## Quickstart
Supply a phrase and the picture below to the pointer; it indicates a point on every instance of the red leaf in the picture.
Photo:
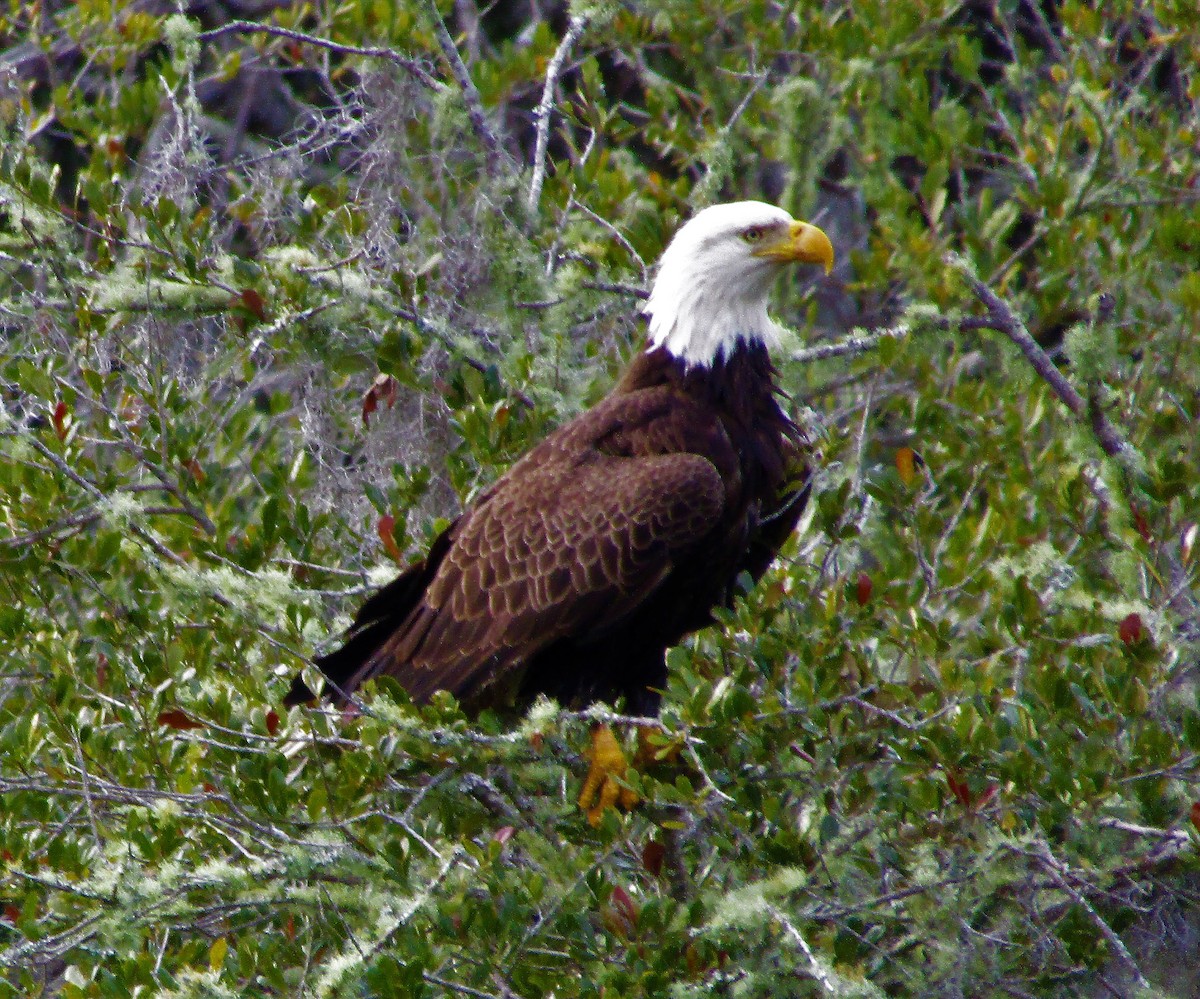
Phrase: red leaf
(862, 590)
(653, 854)
(385, 388)
(175, 718)
(289, 927)
(272, 722)
(1196, 815)
(11, 912)
(387, 527)
(1140, 522)
(989, 795)
(621, 916)
(195, 469)
(209, 788)
(254, 304)
(806, 757)
(1131, 629)
(504, 834)
(60, 420)
(960, 790)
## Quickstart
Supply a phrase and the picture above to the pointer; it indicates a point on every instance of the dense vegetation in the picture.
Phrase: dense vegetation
(278, 296)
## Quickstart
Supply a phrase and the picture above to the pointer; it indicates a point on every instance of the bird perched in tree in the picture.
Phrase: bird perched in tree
(621, 531)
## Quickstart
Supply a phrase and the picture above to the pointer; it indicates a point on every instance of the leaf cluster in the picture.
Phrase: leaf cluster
(278, 297)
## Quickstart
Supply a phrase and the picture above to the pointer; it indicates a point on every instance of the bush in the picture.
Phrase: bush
(278, 297)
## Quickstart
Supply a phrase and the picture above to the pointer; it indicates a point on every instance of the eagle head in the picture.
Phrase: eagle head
(713, 279)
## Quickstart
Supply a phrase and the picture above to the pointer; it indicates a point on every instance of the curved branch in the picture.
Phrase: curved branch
(495, 153)
(410, 66)
(1001, 318)
(542, 115)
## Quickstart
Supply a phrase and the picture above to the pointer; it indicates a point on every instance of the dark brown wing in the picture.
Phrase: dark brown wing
(575, 536)
(550, 555)
(375, 622)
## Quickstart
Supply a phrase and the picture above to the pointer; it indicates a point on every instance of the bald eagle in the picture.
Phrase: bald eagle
(619, 533)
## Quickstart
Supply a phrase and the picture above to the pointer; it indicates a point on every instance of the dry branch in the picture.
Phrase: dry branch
(410, 66)
(495, 153)
(543, 113)
(1001, 318)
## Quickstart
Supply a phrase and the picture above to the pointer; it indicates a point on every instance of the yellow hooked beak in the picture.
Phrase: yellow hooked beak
(803, 243)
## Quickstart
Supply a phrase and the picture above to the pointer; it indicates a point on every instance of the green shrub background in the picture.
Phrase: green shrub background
(947, 747)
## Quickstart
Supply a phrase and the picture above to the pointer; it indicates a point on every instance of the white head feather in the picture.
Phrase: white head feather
(713, 279)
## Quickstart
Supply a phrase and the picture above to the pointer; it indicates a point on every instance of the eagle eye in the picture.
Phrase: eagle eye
(754, 233)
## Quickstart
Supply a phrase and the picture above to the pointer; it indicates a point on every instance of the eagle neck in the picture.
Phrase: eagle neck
(739, 385)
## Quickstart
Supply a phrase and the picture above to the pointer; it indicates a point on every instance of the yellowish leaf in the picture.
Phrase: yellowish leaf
(217, 952)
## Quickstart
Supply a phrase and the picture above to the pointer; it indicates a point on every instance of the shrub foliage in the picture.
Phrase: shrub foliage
(279, 294)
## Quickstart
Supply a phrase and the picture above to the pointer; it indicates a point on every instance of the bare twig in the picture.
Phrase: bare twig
(542, 115)
(619, 236)
(465, 990)
(856, 343)
(488, 795)
(1003, 319)
(410, 910)
(814, 965)
(410, 66)
(59, 530)
(474, 104)
(1058, 873)
(1176, 836)
(87, 790)
(615, 289)
(161, 550)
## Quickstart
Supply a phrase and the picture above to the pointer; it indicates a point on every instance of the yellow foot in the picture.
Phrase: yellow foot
(602, 789)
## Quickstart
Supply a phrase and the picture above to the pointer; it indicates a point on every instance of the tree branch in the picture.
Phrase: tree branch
(495, 153)
(1001, 318)
(410, 66)
(542, 115)
(815, 967)
(856, 343)
(1058, 874)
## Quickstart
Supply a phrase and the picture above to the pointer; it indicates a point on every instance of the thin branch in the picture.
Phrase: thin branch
(814, 965)
(470, 95)
(542, 115)
(410, 910)
(1058, 872)
(856, 343)
(488, 795)
(465, 990)
(410, 66)
(161, 550)
(72, 525)
(87, 791)
(615, 289)
(1176, 836)
(1003, 319)
(618, 235)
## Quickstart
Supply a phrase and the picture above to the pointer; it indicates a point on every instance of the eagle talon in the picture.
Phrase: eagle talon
(602, 789)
